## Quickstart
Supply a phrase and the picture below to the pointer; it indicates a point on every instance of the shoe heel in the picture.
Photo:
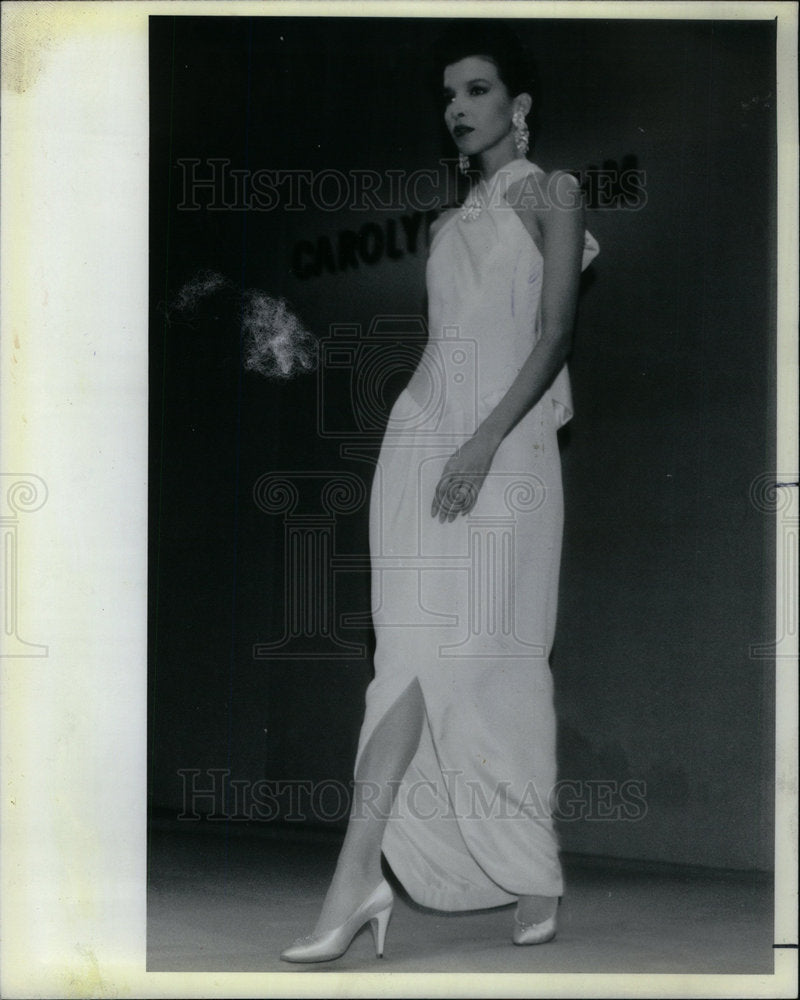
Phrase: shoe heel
(379, 923)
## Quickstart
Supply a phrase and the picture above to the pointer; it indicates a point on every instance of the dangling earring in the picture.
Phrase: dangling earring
(463, 162)
(521, 133)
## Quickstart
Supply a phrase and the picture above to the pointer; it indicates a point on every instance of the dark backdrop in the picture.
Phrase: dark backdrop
(667, 577)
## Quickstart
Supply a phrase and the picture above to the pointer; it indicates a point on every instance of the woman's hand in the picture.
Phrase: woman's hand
(462, 477)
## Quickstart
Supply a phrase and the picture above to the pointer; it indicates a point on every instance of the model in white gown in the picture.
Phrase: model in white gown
(468, 607)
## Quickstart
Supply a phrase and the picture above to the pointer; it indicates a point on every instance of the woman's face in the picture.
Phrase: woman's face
(478, 106)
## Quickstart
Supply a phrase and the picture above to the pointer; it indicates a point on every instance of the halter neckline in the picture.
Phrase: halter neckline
(485, 192)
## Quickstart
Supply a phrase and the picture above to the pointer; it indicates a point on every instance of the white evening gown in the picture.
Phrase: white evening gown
(468, 607)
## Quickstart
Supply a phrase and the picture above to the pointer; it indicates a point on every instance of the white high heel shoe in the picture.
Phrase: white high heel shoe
(375, 910)
(539, 933)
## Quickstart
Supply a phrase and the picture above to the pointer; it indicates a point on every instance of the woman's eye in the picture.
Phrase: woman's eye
(476, 90)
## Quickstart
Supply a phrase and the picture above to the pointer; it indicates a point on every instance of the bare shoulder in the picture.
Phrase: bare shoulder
(550, 206)
(539, 191)
(440, 220)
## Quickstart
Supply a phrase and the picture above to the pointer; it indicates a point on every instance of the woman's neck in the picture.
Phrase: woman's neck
(492, 160)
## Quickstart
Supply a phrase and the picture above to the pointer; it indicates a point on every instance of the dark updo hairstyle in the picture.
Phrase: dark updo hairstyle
(494, 40)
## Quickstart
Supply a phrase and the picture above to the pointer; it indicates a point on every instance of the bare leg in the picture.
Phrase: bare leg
(383, 763)
(535, 909)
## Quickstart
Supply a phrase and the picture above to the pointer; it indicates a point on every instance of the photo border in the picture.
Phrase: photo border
(73, 737)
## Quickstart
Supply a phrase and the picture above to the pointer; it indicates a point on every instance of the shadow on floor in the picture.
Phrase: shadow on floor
(230, 897)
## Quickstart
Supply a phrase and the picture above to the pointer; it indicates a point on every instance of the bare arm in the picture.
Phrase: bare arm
(560, 231)
(556, 225)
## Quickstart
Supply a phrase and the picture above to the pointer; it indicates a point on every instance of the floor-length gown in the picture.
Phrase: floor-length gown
(468, 607)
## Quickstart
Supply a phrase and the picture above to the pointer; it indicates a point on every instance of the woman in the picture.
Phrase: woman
(456, 756)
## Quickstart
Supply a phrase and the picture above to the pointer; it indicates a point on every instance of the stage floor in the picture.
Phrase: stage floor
(229, 899)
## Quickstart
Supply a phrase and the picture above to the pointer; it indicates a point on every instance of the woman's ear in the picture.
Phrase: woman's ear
(524, 103)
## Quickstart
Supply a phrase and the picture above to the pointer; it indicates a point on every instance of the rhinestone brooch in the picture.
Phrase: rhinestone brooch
(472, 207)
